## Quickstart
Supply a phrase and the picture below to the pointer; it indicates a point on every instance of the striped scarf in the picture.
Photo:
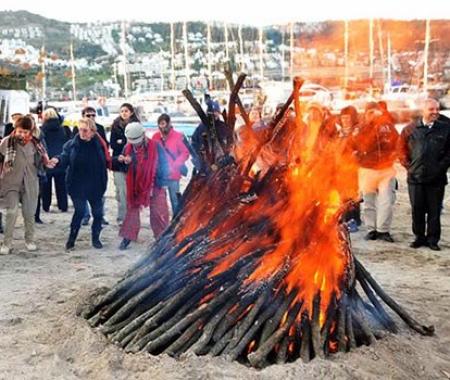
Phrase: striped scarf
(11, 152)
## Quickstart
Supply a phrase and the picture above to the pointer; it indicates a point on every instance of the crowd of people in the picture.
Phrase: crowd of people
(78, 161)
(147, 171)
(372, 147)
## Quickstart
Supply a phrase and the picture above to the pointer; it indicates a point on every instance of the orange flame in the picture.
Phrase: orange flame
(318, 180)
(251, 346)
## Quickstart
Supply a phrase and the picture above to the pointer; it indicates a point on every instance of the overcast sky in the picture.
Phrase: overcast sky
(255, 12)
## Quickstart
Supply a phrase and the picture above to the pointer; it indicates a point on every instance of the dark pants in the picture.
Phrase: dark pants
(37, 214)
(60, 190)
(426, 203)
(87, 214)
(42, 180)
(79, 205)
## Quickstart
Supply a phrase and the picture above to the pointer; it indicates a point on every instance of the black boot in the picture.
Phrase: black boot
(72, 237)
(37, 214)
(96, 229)
(96, 243)
(124, 244)
(1, 223)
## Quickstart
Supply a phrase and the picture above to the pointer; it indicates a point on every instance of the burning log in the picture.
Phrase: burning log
(256, 266)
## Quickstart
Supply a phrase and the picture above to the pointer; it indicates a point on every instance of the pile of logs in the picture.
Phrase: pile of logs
(196, 289)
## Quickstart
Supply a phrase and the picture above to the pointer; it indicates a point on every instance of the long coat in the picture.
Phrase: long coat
(55, 136)
(89, 184)
(23, 176)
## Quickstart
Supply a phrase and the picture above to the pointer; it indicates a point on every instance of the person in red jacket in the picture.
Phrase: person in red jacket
(176, 153)
(374, 147)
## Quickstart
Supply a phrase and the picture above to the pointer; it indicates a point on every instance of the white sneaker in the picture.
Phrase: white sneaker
(31, 247)
(5, 250)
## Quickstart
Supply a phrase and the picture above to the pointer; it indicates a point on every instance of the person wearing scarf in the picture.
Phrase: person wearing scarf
(118, 141)
(147, 166)
(87, 159)
(22, 157)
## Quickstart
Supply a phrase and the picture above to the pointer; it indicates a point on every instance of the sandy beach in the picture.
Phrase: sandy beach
(42, 337)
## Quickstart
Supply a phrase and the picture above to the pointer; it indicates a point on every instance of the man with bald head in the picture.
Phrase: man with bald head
(424, 150)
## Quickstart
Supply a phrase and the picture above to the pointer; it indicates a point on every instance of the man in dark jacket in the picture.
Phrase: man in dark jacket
(424, 150)
(91, 113)
(374, 147)
(203, 143)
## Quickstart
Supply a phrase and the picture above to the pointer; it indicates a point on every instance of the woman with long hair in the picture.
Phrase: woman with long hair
(118, 141)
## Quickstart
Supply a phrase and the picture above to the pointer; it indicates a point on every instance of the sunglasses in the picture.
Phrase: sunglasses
(90, 115)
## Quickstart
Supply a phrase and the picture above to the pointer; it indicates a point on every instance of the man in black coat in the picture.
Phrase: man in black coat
(424, 150)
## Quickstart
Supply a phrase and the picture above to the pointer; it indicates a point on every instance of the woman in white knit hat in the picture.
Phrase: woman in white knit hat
(147, 166)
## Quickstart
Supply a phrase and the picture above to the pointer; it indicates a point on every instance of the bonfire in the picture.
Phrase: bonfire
(257, 264)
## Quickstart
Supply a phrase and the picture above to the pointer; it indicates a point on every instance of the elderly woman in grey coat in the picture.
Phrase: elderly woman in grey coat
(22, 156)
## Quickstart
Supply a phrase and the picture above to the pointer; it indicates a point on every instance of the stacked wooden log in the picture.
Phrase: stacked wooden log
(196, 289)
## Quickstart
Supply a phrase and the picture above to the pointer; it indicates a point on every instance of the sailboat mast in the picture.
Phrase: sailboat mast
(282, 54)
(43, 72)
(371, 49)
(227, 51)
(261, 52)
(186, 55)
(291, 50)
(380, 43)
(172, 56)
(346, 54)
(389, 63)
(161, 57)
(72, 64)
(124, 59)
(425, 55)
(208, 42)
(241, 48)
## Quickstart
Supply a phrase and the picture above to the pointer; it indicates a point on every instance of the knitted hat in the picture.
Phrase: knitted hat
(134, 132)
